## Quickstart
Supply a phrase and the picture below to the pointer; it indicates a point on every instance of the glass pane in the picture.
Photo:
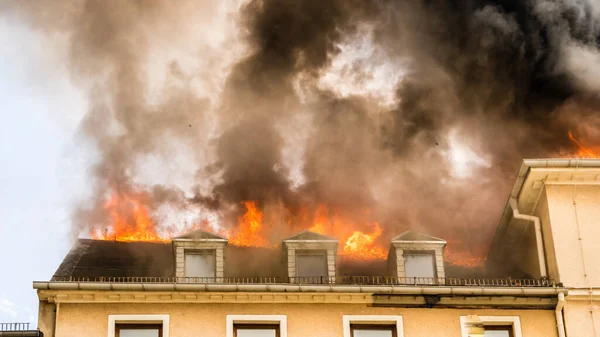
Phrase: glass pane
(496, 333)
(419, 265)
(138, 333)
(256, 333)
(199, 265)
(311, 265)
(372, 333)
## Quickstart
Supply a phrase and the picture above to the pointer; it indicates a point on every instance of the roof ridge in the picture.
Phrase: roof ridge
(416, 236)
(308, 234)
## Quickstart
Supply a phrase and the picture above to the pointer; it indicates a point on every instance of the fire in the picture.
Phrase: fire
(584, 152)
(130, 219)
(363, 246)
(320, 220)
(250, 228)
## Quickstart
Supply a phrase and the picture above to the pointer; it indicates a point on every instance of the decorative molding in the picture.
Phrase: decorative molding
(162, 319)
(372, 319)
(257, 319)
(371, 299)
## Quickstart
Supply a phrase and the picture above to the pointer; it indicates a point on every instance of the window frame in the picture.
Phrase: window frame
(243, 326)
(209, 251)
(426, 252)
(508, 328)
(382, 327)
(311, 252)
(137, 320)
(138, 326)
(257, 320)
(495, 321)
(372, 321)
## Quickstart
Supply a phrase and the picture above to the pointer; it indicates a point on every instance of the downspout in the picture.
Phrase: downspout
(559, 315)
(538, 233)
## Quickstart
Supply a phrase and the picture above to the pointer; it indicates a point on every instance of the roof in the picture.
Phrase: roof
(310, 236)
(414, 236)
(199, 234)
(96, 258)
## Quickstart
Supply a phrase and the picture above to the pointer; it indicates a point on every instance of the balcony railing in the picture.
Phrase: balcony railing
(14, 326)
(338, 280)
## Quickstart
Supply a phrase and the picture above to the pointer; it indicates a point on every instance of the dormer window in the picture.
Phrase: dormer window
(200, 263)
(417, 258)
(200, 254)
(311, 263)
(420, 264)
(310, 257)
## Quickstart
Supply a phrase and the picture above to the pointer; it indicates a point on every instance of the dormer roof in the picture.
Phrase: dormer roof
(417, 237)
(199, 235)
(310, 236)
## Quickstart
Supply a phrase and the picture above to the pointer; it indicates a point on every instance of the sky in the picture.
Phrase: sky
(42, 166)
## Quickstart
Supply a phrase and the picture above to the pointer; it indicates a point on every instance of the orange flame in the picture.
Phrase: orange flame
(584, 152)
(130, 219)
(363, 246)
(250, 228)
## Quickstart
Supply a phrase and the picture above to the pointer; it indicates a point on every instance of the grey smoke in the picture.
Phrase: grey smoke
(505, 79)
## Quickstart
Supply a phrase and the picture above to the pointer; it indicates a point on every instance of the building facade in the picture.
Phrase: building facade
(542, 280)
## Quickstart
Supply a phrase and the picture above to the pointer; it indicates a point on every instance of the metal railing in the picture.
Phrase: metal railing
(14, 326)
(341, 280)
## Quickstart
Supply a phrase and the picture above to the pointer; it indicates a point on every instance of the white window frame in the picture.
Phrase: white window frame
(373, 319)
(257, 319)
(113, 320)
(513, 321)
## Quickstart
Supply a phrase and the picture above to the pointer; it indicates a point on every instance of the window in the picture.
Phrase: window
(256, 330)
(420, 264)
(372, 326)
(498, 331)
(366, 330)
(256, 326)
(200, 263)
(490, 326)
(311, 263)
(138, 325)
(138, 330)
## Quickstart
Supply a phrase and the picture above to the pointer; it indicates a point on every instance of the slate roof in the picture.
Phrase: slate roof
(413, 236)
(96, 258)
(308, 235)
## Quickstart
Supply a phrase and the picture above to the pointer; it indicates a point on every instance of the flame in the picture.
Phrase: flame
(130, 219)
(584, 152)
(250, 228)
(363, 246)
(320, 221)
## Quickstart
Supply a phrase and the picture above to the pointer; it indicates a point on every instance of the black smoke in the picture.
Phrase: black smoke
(505, 79)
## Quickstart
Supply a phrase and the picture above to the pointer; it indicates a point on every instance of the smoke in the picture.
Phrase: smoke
(415, 114)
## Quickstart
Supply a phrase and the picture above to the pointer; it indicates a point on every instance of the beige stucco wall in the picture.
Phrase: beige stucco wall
(576, 251)
(582, 318)
(303, 319)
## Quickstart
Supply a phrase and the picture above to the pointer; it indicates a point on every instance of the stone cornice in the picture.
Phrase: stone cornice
(379, 300)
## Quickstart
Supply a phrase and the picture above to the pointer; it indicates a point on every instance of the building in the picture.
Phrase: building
(542, 280)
